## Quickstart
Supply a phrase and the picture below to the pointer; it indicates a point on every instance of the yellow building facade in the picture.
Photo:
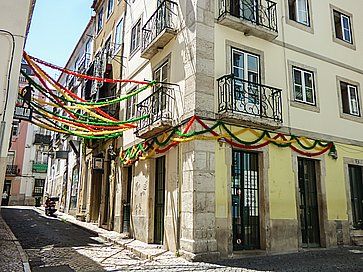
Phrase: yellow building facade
(252, 136)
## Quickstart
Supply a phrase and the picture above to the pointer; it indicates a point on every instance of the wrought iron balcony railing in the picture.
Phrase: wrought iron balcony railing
(84, 63)
(163, 20)
(258, 12)
(240, 96)
(11, 170)
(42, 139)
(159, 106)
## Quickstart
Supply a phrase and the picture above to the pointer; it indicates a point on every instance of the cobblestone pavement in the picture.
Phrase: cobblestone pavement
(10, 259)
(53, 245)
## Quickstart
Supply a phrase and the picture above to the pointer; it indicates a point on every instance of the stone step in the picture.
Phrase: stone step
(357, 240)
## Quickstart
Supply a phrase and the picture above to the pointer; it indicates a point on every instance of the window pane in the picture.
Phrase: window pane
(338, 25)
(345, 97)
(297, 77)
(237, 72)
(252, 63)
(298, 93)
(345, 21)
(238, 60)
(347, 35)
(308, 80)
(309, 95)
(302, 12)
(292, 10)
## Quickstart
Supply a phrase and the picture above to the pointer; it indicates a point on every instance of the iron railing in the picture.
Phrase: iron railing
(241, 96)
(11, 170)
(84, 63)
(159, 106)
(165, 17)
(259, 12)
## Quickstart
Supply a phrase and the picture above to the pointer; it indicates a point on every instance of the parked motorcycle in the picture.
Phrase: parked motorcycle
(49, 206)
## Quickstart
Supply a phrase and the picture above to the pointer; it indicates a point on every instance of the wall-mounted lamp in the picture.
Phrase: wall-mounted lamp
(333, 152)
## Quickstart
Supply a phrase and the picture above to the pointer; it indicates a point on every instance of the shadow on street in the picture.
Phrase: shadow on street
(49, 243)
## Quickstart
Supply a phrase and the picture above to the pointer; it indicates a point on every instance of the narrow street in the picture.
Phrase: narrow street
(53, 245)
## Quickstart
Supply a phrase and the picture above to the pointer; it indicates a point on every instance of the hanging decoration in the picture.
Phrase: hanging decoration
(59, 109)
(220, 132)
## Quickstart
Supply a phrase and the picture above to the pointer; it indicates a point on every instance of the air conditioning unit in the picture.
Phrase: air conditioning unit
(98, 163)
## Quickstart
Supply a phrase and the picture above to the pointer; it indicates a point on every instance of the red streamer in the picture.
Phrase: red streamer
(73, 73)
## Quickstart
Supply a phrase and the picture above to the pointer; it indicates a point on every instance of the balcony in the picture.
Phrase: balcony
(160, 107)
(244, 100)
(11, 170)
(253, 17)
(159, 29)
(41, 139)
(84, 63)
(39, 167)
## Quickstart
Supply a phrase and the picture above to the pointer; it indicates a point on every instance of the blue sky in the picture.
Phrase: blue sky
(56, 27)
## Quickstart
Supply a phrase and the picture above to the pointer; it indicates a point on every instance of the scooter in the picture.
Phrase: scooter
(50, 206)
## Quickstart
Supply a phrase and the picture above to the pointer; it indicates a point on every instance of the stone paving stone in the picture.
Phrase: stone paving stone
(53, 245)
(10, 258)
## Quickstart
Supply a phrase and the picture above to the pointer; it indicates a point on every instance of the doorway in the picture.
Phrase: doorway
(6, 193)
(159, 204)
(245, 201)
(356, 195)
(126, 220)
(308, 204)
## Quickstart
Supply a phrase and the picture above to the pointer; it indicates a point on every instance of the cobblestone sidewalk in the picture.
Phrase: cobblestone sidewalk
(12, 256)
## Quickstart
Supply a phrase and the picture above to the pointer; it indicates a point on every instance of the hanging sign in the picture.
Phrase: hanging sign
(23, 113)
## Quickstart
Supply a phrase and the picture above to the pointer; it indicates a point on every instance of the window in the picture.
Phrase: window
(100, 20)
(135, 36)
(299, 11)
(160, 99)
(109, 8)
(245, 67)
(15, 130)
(303, 85)
(38, 187)
(11, 158)
(118, 35)
(342, 25)
(131, 105)
(350, 100)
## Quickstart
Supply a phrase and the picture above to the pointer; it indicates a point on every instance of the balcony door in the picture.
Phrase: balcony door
(246, 9)
(246, 71)
(356, 194)
(160, 75)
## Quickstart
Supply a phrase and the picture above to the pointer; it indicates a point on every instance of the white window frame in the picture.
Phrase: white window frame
(100, 16)
(131, 105)
(303, 85)
(137, 27)
(118, 37)
(347, 39)
(307, 17)
(353, 104)
(110, 8)
(353, 89)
